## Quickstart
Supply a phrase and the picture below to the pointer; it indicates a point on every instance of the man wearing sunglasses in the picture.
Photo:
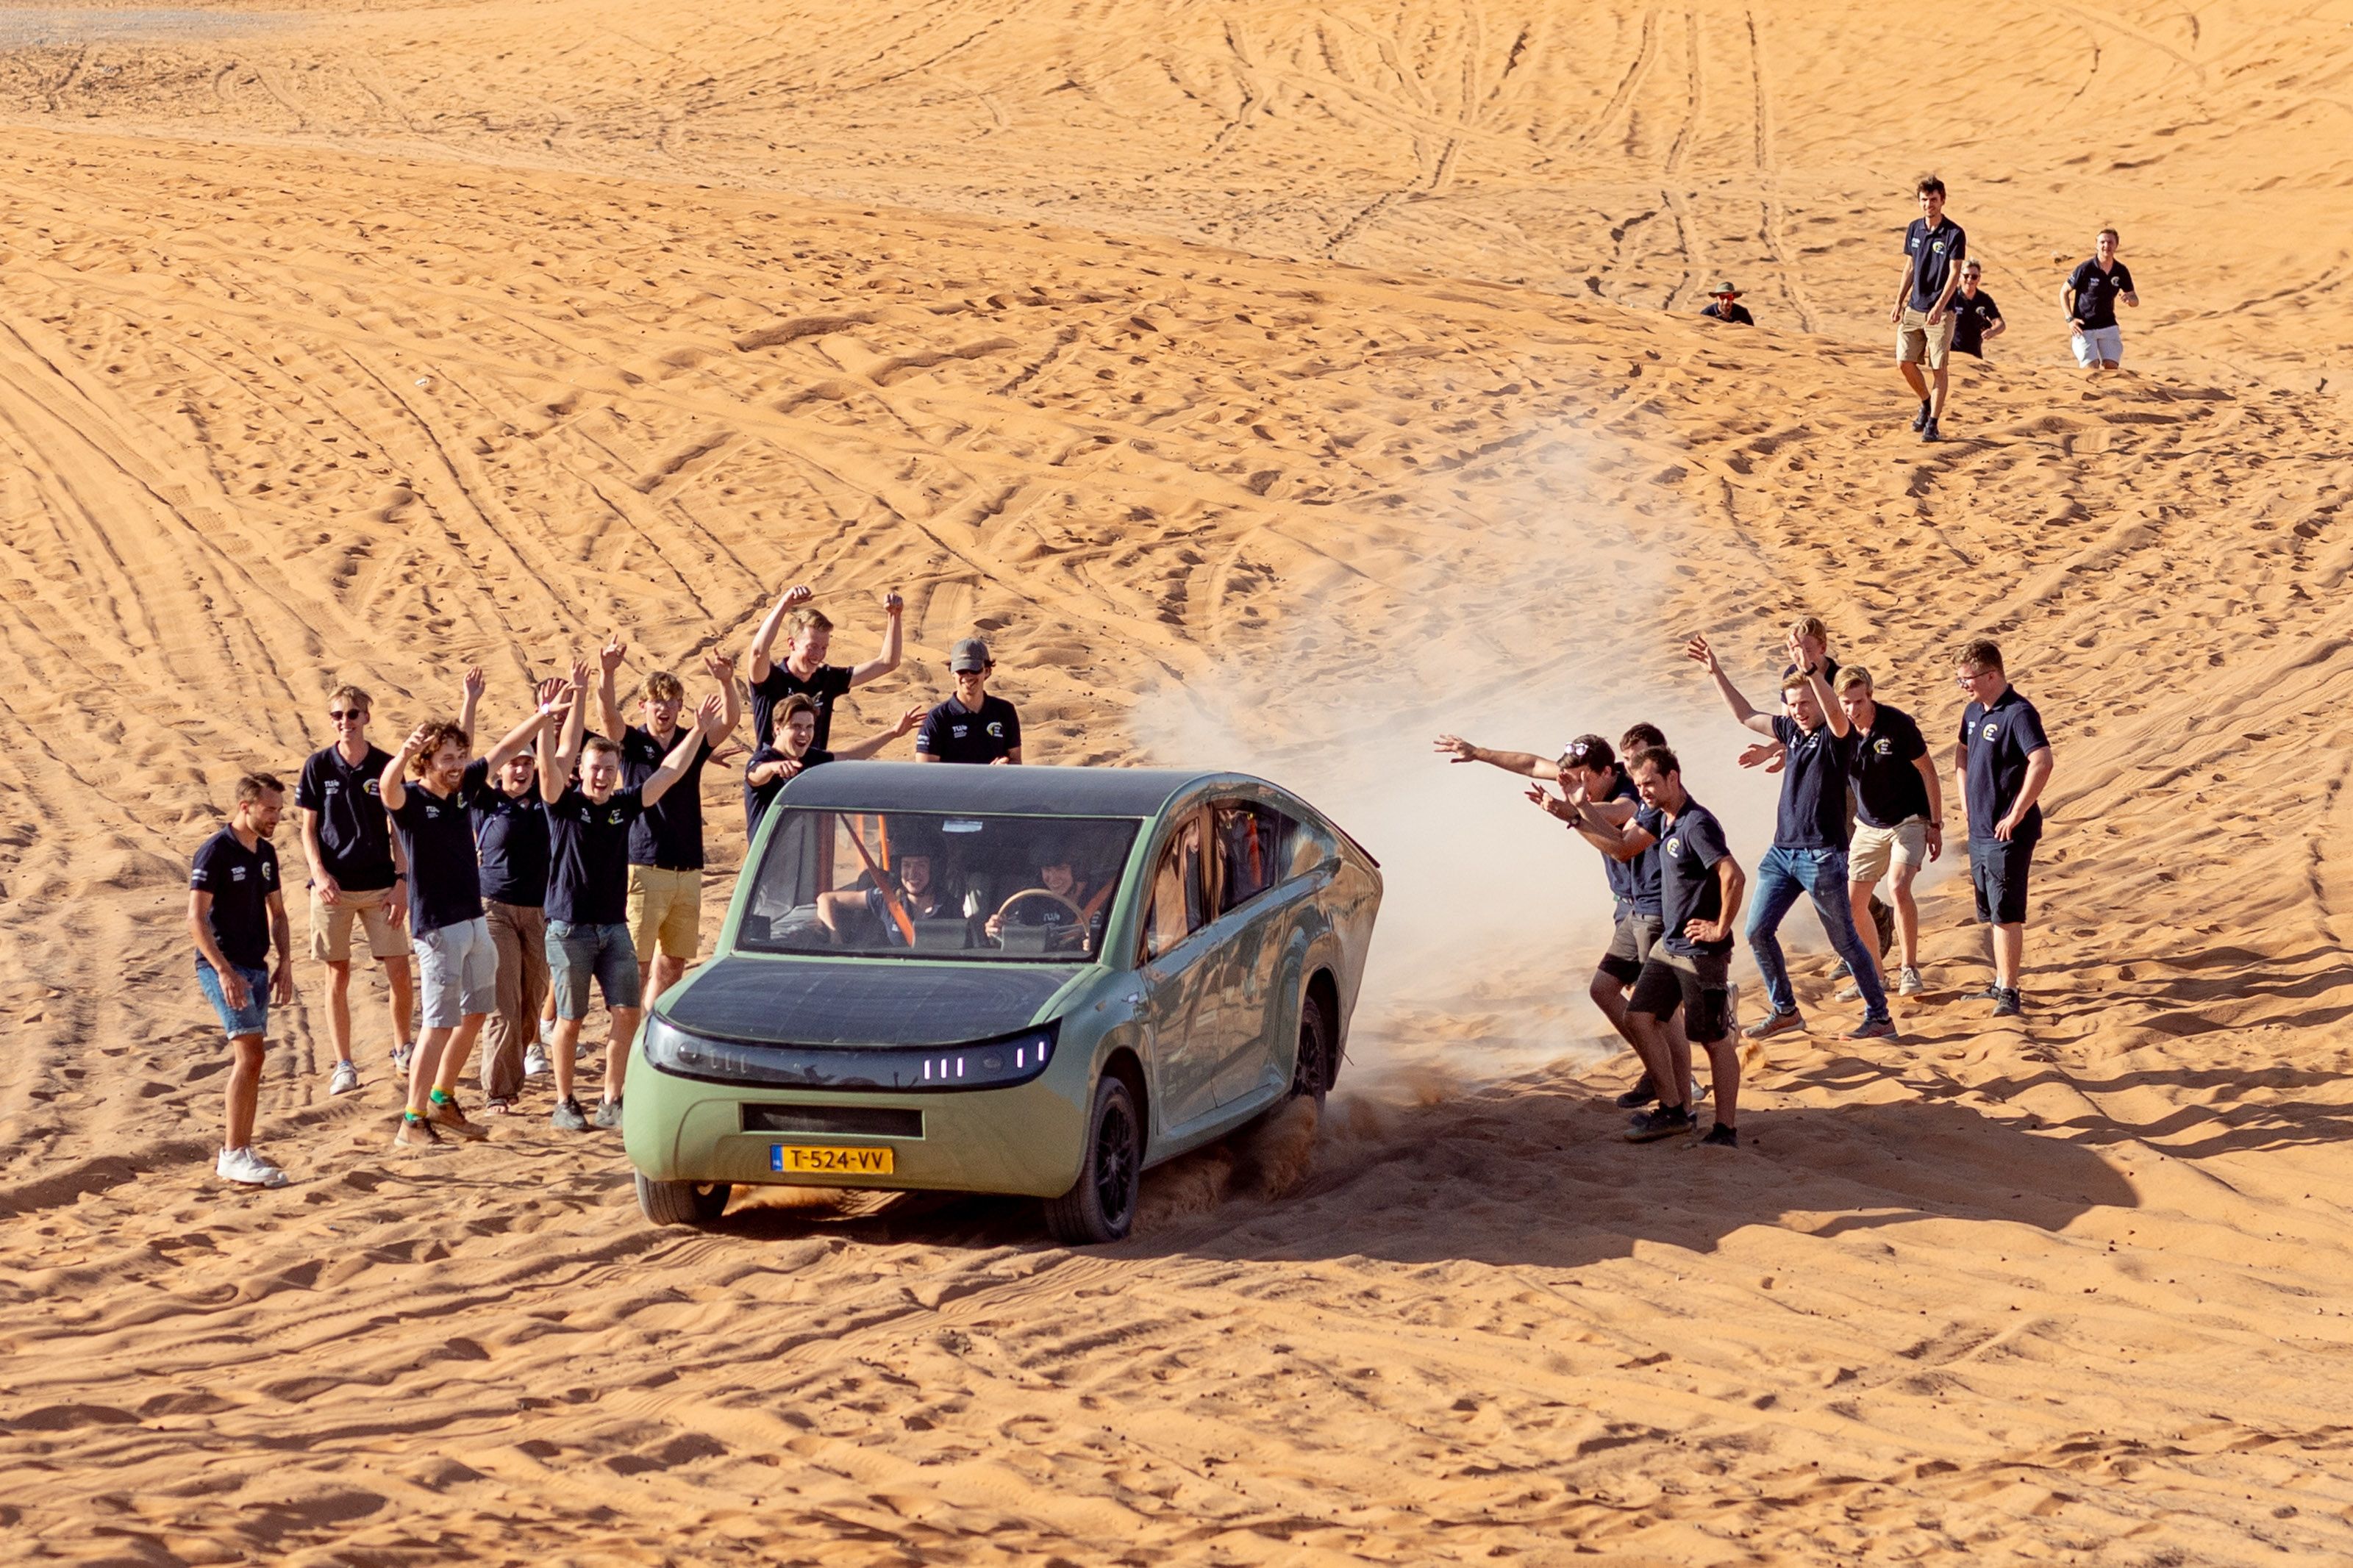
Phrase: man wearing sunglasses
(2001, 768)
(358, 872)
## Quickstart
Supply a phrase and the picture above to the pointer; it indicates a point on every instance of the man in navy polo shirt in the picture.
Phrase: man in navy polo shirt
(971, 726)
(803, 672)
(235, 913)
(358, 872)
(1810, 840)
(2090, 297)
(2000, 766)
(1933, 250)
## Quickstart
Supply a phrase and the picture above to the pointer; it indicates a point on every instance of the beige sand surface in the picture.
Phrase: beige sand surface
(1279, 382)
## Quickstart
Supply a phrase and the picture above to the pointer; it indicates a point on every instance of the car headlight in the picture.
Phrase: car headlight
(984, 1063)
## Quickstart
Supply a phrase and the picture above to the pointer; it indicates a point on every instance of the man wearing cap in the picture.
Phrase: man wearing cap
(1724, 309)
(971, 726)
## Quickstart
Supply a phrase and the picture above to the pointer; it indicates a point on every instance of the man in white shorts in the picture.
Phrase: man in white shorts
(2091, 296)
(1899, 818)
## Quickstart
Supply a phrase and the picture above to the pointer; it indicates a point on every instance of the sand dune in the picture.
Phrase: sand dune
(1283, 384)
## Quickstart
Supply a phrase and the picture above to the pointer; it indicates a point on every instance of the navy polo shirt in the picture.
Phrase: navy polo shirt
(1689, 849)
(444, 873)
(828, 684)
(1813, 788)
(1888, 788)
(240, 882)
(1997, 740)
(670, 833)
(511, 832)
(956, 733)
(1936, 254)
(588, 875)
(2096, 293)
(757, 798)
(354, 839)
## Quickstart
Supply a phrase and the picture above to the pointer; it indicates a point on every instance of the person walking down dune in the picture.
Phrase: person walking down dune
(2001, 767)
(357, 873)
(2090, 297)
(1976, 320)
(1933, 250)
(236, 913)
(1901, 819)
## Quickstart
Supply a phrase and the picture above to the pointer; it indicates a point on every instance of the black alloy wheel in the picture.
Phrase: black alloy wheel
(1101, 1204)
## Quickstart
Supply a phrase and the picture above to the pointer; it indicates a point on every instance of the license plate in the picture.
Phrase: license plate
(831, 1162)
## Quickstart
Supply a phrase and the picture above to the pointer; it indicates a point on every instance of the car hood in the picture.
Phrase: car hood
(878, 1002)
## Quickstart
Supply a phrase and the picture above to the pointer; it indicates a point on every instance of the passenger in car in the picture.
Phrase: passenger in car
(904, 894)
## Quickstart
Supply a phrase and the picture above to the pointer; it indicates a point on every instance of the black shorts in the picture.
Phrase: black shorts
(1698, 984)
(1997, 869)
(1632, 943)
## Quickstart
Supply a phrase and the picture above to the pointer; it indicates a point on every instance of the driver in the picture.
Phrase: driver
(919, 897)
(1058, 900)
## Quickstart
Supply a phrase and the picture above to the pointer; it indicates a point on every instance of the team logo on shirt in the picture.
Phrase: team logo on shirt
(613, 819)
(1883, 747)
(958, 730)
(371, 786)
(1990, 732)
(995, 731)
(237, 873)
(1674, 847)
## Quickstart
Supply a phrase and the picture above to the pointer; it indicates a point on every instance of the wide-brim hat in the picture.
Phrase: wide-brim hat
(1725, 290)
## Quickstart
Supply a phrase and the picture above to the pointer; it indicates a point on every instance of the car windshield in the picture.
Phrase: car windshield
(897, 884)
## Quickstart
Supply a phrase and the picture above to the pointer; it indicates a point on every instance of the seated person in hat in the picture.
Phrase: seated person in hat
(971, 726)
(1725, 310)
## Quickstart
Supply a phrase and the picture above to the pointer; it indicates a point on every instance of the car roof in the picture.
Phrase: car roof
(1025, 790)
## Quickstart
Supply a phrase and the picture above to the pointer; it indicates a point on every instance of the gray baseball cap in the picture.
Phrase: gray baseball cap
(968, 655)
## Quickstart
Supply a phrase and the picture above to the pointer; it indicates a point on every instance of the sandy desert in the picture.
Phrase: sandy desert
(1275, 386)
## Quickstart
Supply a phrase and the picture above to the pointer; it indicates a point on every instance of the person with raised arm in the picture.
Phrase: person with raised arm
(1809, 838)
(803, 672)
(427, 791)
(588, 885)
(795, 751)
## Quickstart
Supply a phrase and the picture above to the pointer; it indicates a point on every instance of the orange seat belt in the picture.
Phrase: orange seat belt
(882, 882)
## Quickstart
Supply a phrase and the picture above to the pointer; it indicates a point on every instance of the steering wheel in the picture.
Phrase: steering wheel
(1033, 895)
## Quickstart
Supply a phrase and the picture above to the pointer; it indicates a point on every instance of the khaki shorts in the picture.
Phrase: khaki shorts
(1916, 339)
(665, 908)
(1874, 849)
(331, 929)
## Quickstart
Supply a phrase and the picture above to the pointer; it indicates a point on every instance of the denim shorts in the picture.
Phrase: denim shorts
(574, 953)
(253, 1019)
(457, 973)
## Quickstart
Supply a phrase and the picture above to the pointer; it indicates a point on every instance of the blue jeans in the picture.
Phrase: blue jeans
(1781, 876)
(253, 1019)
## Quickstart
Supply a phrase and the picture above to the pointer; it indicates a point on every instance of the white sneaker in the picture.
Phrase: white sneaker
(248, 1168)
(534, 1060)
(346, 1079)
(547, 1031)
(401, 1055)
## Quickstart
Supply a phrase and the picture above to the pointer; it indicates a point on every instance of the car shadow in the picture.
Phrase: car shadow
(1534, 1172)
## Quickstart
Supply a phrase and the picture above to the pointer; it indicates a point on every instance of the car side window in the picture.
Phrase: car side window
(1180, 902)
(1253, 850)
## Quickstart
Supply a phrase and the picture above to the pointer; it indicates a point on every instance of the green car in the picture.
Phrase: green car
(1020, 979)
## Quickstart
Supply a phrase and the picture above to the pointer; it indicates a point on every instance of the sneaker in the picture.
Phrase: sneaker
(1908, 982)
(2006, 1006)
(1920, 420)
(415, 1135)
(1850, 992)
(547, 1031)
(1929, 432)
(534, 1060)
(1643, 1093)
(447, 1117)
(1873, 1029)
(246, 1168)
(1988, 992)
(401, 1056)
(1653, 1125)
(608, 1114)
(346, 1079)
(1843, 969)
(1721, 1136)
(1774, 1024)
(567, 1117)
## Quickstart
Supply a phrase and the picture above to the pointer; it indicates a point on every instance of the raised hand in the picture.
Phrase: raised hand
(1699, 653)
(798, 595)
(474, 683)
(708, 717)
(909, 719)
(1766, 754)
(609, 656)
(548, 690)
(891, 603)
(414, 744)
(1799, 656)
(581, 670)
(1455, 748)
(722, 666)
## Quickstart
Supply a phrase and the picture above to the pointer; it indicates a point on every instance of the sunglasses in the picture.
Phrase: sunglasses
(340, 714)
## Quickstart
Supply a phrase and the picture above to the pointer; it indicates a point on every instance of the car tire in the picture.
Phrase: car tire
(1101, 1204)
(682, 1202)
(1310, 1072)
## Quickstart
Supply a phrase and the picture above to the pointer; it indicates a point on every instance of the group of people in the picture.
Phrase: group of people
(1861, 802)
(562, 856)
(1941, 309)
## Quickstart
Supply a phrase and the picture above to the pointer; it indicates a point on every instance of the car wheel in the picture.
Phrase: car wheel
(682, 1202)
(1312, 1074)
(1100, 1206)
